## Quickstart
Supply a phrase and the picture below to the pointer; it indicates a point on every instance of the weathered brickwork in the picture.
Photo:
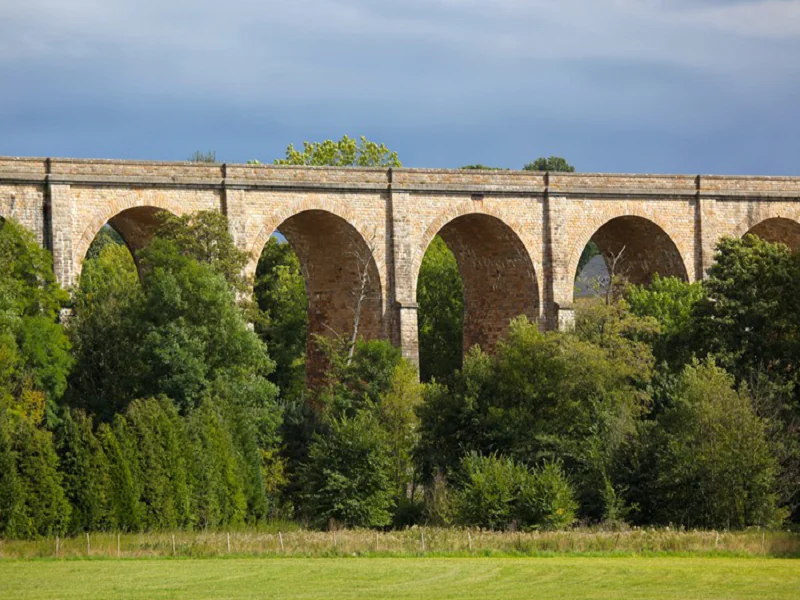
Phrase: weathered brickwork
(517, 236)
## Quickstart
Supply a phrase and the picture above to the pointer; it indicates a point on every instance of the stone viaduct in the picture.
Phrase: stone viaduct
(517, 236)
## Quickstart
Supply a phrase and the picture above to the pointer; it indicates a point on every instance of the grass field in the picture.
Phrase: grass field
(394, 578)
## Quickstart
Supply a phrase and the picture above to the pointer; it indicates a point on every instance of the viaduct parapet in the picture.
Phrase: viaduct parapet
(517, 235)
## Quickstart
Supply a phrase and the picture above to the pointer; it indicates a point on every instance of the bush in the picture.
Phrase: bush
(347, 478)
(498, 493)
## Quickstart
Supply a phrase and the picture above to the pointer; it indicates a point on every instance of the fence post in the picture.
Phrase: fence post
(469, 539)
(229, 542)
(334, 539)
(88, 546)
(422, 539)
(173, 544)
(119, 552)
(280, 537)
(376, 541)
(56, 546)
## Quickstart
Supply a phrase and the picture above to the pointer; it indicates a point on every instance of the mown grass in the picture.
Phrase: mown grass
(392, 578)
(408, 542)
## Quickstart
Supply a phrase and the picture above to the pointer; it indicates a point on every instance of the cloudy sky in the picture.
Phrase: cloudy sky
(689, 86)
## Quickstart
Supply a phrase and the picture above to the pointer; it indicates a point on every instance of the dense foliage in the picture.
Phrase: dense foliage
(169, 400)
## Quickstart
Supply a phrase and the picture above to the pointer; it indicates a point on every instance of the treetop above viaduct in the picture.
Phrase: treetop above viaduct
(517, 235)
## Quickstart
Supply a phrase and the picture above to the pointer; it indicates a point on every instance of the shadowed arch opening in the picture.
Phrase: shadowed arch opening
(497, 275)
(343, 297)
(779, 229)
(630, 249)
(133, 228)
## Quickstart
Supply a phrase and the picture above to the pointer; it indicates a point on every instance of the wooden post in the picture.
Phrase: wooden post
(119, 550)
(88, 546)
(280, 537)
(716, 541)
(422, 539)
(763, 539)
(469, 540)
(173, 544)
(229, 543)
(334, 539)
(376, 541)
(56, 546)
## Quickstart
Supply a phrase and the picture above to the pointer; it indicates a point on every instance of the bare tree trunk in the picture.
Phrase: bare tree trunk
(364, 259)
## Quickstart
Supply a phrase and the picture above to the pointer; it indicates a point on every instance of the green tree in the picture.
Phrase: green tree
(347, 152)
(552, 163)
(440, 295)
(32, 500)
(164, 461)
(125, 509)
(280, 291)
(347, 480)
(204, 237)
(396, 415)
(182, 330)
(714, 466)
(85, 469)
(219, 497)
(671, 302)
(34, 351)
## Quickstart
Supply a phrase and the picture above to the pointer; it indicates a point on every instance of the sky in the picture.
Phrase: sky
(636, 86)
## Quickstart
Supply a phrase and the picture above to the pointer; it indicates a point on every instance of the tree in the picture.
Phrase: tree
(32, 500)
(396, 415)
(347, 152)
(347, 480)
(440, 295)
(280, 291)
(84, 466)
(714, 467)
(553, 163)
(34, 350)
(182, 327)
(204, 236)
(542, 397)
(219, 497)
(671, 302)
(164, 462)
(125, 509)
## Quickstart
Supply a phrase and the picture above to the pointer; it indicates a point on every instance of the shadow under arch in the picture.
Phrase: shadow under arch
(343, 286)
(635, 248)
(497, 273)
(778, 229)
(135, 227)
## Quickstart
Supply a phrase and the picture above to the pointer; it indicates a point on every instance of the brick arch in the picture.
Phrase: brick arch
(344, 211)
(657, 225)
(497, 272)
(333, 256)
(650, 247)
(460, 210)
(108, 212)
(778, 229)
(774, 224)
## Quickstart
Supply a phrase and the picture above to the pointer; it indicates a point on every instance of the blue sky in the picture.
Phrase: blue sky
(700, 86)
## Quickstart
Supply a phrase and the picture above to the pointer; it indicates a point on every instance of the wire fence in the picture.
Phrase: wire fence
(408, 542)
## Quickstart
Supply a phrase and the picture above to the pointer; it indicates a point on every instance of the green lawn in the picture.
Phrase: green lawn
(417, 578)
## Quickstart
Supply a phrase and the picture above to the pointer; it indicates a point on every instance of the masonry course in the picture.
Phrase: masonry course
(517, 235)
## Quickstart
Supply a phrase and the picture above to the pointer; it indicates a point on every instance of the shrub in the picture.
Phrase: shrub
(498, 493)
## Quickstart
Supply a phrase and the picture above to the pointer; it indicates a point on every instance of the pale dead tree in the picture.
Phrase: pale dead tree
(617, 272)
(362, 255)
